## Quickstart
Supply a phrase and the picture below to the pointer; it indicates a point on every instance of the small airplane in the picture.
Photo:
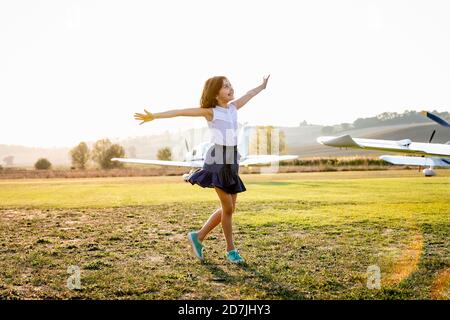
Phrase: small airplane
(431, 154)
(195, 158)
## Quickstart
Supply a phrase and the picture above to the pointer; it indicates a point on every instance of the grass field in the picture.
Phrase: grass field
(304, 236)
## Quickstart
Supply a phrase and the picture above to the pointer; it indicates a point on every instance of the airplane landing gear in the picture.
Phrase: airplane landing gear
(429, 172)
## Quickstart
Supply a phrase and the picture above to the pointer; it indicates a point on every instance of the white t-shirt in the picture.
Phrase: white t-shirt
(224, 125)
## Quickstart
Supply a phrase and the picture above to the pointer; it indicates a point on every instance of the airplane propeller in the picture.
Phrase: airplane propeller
(436, 118)
(432, 135)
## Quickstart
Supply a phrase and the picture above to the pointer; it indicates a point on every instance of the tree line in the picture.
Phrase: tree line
(101, 154)
(383, 119)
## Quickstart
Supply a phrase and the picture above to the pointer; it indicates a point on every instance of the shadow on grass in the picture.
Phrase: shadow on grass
(218, 273)
(273, 288)
(263, 282)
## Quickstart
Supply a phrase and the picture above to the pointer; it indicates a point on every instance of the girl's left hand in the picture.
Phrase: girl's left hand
(265, 80)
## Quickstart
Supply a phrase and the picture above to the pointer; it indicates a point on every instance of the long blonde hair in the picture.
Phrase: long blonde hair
(210, 91)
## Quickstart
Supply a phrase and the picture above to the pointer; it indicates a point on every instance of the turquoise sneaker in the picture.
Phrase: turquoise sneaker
(196, 245)
(234, 256)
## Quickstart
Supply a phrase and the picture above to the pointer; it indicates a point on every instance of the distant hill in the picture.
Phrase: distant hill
(27, 156)
(306, 146)
(386, 126)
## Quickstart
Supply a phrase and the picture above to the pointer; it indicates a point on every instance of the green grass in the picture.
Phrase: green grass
(304, 236)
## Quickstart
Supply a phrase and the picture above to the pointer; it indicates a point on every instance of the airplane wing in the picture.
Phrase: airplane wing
(190, 164)
(406, 145)
(257, 159)
(264, 159)
(418, 161)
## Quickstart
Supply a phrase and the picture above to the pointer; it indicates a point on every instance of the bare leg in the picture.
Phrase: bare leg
(214, 220)
(209, 225)
(234, 197)
(226, 200)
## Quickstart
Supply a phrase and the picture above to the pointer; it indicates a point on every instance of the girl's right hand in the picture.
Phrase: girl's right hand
(148, 116)
(265, 80)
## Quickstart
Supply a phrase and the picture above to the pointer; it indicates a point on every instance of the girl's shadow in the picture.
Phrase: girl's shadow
(218, 273)
(262, 282)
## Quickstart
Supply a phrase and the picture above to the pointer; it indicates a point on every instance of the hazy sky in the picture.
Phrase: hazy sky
(78, 70)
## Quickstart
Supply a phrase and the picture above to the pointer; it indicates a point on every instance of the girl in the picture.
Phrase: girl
(220, 170)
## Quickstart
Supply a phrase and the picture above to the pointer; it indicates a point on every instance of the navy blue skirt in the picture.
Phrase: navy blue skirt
(221, 170)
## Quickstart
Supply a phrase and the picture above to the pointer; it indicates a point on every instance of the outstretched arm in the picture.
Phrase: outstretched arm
(239, 103)
(190, 112)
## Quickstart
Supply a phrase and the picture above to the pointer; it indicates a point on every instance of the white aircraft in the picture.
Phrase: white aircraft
(431, 154)
(195, 158)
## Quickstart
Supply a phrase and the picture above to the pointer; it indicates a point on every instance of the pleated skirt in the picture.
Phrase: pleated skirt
(221, 170)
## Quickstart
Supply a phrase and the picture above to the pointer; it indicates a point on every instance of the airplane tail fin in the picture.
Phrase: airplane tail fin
(435, 118)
